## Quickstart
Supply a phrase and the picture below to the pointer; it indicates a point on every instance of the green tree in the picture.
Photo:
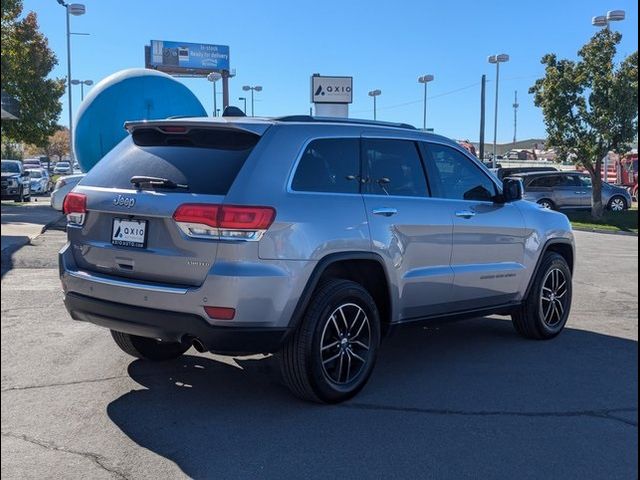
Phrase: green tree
(590, 106)
(27, 62)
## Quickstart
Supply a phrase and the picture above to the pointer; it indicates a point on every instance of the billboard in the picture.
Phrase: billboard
(183, 57)
(331, 89)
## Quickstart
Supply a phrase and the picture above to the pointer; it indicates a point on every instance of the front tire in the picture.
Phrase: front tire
(148, 348)
(545, 311)
(546, 203)
(617, 204)
(331, 355)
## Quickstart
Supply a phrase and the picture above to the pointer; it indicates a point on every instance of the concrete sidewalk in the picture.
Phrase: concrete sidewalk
(23, 222)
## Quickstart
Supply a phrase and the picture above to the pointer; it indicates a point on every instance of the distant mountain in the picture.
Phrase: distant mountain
(503, 148)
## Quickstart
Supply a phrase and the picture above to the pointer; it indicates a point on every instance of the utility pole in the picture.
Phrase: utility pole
(482, 109)
(515, 118)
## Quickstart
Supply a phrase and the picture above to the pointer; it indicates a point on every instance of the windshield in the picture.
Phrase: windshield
(62, 164)
(35, 173)
(10, 167)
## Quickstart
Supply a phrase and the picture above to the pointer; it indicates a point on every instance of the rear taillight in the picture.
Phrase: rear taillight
(75, 208)
(225, 222)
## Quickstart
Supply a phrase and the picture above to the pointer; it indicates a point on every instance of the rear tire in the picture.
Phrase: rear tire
(148, 348)
(545, 311)
(331, 355)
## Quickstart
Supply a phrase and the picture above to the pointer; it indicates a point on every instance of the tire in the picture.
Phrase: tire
(545, 311)
(617, 204)
(148, 348)
(546, 203)
(314, 358)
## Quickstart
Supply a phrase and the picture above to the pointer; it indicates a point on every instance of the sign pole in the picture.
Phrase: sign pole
(225, 89)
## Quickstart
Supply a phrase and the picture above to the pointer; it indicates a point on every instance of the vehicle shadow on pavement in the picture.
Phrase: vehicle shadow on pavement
(470, 399)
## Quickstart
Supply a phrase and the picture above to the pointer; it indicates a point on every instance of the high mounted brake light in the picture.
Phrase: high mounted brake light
(224, 222)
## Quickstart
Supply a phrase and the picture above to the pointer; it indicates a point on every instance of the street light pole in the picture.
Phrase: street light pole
(497, 59)
(425, 79)
(255, 88)
(213, 77)
(76, 9)
(82, 83)
(374, 94)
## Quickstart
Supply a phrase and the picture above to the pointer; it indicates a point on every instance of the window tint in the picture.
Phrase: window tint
(394, 167)
(209, 170)
(453, 175)
(585, 181)
(329, 165)
(543, 182)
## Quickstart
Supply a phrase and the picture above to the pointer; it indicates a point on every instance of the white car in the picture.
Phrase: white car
(62, 168)
(39, 179)
(63, 186)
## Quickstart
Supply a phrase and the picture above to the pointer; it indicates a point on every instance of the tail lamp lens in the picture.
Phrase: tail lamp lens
(224, 221)
(75, 208)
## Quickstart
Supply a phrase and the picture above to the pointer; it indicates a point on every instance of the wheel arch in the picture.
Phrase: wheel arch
(563, 247)
(365, 268)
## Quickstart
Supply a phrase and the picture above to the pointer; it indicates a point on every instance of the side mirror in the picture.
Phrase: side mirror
(512, 190)
(24, 174)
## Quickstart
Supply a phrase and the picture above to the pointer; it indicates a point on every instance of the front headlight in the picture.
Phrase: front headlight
(13, 182)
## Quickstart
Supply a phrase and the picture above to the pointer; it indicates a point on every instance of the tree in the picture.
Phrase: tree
(590, 106)
(27, 61)
(57, 145)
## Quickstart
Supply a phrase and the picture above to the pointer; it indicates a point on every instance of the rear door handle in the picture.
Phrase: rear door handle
(385, 211)
(465, 214)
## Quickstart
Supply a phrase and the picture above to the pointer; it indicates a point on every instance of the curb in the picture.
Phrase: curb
(609, 232)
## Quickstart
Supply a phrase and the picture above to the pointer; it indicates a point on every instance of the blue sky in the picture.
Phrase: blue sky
(383, 45)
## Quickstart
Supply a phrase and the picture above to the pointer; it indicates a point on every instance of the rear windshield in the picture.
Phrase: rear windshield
(206, 161)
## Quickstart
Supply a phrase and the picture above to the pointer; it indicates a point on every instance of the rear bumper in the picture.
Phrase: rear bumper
(174, 326)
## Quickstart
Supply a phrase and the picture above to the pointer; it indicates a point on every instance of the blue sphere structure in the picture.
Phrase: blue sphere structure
(133, 94)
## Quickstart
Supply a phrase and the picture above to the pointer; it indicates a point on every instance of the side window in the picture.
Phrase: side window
(585, 181)
(568, 181)
(394, 168)
(541, 182)
(455, 176)
(329, 165)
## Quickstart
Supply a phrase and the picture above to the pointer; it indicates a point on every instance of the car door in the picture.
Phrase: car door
(410, 230)
(586, 193)
(487, 257)
(567, 191)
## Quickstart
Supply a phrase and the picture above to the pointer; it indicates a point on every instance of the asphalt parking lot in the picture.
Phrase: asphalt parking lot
(463, 400)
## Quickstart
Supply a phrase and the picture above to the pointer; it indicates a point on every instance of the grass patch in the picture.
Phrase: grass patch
(626, 221)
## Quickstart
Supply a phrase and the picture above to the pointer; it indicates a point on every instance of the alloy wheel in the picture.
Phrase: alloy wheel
(553, 297)
(345, 343)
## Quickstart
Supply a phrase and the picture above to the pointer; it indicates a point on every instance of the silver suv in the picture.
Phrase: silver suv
(560, 190)
(304, 237)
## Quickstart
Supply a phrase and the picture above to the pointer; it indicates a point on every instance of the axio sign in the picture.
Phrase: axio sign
(331, 89)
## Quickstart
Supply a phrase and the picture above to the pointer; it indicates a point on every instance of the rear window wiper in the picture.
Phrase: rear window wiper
(155, 182)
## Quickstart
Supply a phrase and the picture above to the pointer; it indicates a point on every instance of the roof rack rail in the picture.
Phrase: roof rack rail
(356, 121)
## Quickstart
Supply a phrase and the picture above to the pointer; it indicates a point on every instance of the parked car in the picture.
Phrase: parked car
(309, 238)
(503, 172)
(15, 181)
(62, 168)
(558, 190)
(62, 187)
(40, 182)
(29, 163)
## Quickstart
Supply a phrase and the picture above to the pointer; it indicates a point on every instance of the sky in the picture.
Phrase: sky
(384, 45)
